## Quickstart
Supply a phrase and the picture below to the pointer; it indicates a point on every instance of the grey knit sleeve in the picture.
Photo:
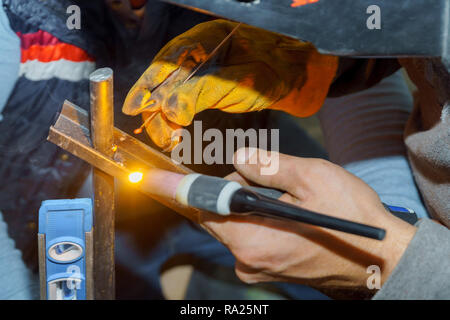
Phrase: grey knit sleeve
(423, 272)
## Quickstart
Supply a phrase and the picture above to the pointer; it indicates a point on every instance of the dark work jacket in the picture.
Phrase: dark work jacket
(55, 65)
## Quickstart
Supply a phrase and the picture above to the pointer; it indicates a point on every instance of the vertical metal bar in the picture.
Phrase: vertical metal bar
(102, 129)
(89, 258)
(42, 266)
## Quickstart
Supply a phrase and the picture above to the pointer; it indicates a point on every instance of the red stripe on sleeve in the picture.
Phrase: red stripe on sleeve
(45, 47)
(40, 37)
(55, 52)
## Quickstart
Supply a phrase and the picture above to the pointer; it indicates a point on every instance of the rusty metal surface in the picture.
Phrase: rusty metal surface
(71, 132)
(104, 235)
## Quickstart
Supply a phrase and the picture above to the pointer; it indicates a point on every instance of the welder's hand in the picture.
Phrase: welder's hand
(254, 70)
(278, 250)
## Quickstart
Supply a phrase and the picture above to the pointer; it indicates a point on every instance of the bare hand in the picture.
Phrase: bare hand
(278, 250)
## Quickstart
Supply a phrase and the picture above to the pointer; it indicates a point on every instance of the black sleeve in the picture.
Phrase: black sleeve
(356, 74)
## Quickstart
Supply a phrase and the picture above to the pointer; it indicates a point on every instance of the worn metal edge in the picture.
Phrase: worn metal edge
(42, 266)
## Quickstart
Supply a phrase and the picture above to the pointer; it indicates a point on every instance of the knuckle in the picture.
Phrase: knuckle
(276, 268)
(244, 277)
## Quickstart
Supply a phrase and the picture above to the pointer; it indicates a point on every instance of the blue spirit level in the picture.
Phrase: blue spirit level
(66, 249)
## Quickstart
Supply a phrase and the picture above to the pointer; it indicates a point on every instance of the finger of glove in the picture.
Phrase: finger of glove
(198, 94)
(184, 53)
(140, 94)
(161, 131)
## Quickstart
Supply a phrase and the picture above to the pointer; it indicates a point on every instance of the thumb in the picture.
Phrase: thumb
(269, 168)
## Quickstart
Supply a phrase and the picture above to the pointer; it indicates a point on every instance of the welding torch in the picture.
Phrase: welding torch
(224, 197)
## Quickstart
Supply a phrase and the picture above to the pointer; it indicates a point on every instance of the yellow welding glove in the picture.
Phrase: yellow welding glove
(254, 70)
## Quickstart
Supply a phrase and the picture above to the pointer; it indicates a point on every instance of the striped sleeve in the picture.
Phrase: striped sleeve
(43, 57)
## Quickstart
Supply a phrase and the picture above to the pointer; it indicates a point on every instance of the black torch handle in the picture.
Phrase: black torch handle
(248, 201)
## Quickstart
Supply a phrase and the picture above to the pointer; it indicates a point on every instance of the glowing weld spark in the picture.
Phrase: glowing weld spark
(298, 3)
(135, 177)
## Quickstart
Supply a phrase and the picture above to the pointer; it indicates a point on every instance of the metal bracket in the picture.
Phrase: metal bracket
(71, 132)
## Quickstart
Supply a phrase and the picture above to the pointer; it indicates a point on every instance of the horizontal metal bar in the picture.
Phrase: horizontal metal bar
(71, 133)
